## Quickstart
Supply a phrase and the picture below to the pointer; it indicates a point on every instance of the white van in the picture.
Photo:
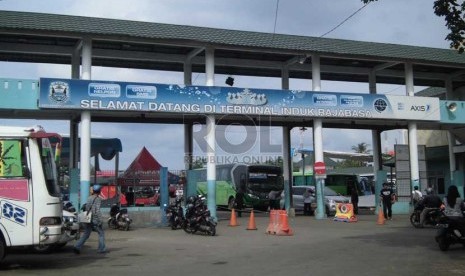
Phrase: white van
(30, 204)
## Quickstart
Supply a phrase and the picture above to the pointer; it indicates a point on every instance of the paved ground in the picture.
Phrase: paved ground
(318, 247)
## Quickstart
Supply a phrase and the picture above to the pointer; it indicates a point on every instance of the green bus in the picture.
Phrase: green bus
(255, 180)
(341, 183)
(299, 179)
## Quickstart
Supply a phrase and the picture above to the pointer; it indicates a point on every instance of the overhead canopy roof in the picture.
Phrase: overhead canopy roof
(52, 38)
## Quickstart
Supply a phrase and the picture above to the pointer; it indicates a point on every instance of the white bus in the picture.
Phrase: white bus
(30, 204)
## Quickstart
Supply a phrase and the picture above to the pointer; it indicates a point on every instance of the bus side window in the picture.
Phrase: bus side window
(26, 172)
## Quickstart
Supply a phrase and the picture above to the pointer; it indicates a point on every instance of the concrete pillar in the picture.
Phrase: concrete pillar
(450, 135)
(412, 130)
(285, 78)
(85, 125)
(375, 138)
(211, 141)
(318, 139)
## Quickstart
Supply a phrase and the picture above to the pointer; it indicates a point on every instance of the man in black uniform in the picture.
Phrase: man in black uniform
(387, 195)
(239, 202)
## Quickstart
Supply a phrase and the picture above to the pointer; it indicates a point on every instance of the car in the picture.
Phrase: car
(298, 199)
(331, 199)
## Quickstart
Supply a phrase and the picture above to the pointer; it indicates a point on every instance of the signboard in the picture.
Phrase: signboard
(320, 169)
(166, 98)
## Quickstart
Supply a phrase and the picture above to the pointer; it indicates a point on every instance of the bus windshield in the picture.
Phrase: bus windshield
(49, 167)
(265, 179)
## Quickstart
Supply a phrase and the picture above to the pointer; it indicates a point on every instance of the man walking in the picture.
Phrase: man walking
(386, 196)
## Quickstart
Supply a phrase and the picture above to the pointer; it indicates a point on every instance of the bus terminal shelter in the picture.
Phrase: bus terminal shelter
(84, 42)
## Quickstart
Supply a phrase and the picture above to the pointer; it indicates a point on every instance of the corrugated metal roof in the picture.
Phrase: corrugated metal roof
(79, 25)
(431, 92)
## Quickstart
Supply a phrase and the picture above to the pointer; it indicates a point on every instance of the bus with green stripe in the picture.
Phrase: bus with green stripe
(254, 179)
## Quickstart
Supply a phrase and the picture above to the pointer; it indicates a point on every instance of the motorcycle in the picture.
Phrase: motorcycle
(451, 231)
(119, 218)
(431, 218)
(198, 218)
(175, 214)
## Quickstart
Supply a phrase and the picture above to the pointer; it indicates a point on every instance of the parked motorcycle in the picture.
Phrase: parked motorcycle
(431, 218)
(119, 218)
(451, 231)
(198, 217)
(175, 214)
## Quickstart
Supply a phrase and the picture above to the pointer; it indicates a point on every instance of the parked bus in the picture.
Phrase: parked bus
(303, 180)
(341, 183)
(31, 208)
(255, 180)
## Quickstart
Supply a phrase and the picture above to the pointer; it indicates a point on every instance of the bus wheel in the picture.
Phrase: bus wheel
(2, 249)
(43, 248)
(231, 203)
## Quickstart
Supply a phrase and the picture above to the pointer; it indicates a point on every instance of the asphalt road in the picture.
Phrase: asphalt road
(318, 247)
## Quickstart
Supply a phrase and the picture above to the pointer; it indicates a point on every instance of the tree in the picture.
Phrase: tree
(454, 16)
(199, 163)
(361, 148)
(454, 12)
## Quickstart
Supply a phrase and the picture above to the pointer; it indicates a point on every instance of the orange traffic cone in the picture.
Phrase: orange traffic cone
(273, 225)
(380, 216)
(284, 229)
(252, 225)
(233, 220)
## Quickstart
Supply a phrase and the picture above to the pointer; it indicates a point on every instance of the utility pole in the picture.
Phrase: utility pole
(302, 130)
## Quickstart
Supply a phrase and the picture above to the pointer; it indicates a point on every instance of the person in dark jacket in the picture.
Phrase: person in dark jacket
(387, 195)
(239, 202)
(354, 199)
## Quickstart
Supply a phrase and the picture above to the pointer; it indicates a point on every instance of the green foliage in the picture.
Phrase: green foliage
(454, 16)
(199, 163)
(361, 148)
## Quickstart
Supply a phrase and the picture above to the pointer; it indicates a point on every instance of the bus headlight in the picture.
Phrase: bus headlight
(253, 196)
(50, 221)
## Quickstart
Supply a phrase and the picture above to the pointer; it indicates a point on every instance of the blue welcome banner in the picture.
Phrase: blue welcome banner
(149, 97)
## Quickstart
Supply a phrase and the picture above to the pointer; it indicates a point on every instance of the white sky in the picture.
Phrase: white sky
(409, 22)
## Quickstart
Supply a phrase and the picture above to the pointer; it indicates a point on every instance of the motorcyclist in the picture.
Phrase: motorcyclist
(431, 201)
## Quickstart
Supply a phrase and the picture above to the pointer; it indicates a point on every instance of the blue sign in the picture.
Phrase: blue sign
(122, 96)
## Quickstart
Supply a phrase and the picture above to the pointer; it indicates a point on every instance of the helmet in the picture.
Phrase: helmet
(96, 188)
(429, 190)
(191, 200)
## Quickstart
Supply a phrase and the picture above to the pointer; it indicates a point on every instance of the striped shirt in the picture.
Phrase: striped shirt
(97, 217)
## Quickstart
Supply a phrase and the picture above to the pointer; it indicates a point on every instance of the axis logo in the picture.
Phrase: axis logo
(422, 108)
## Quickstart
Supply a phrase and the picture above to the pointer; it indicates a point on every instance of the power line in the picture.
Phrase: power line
(276, 16)
(345, 20)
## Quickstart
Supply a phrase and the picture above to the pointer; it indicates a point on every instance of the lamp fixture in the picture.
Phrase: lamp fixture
(230, 81)
(451, 106)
